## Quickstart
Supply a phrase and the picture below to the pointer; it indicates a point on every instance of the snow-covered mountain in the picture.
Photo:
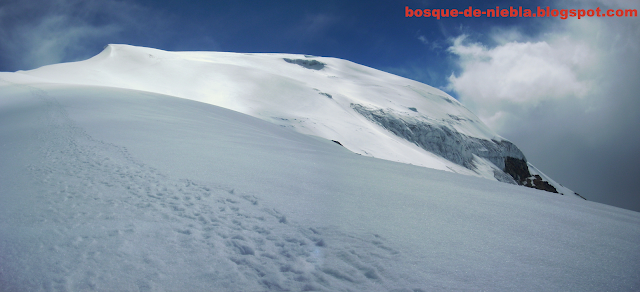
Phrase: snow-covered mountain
(118, 189)
(370, 112)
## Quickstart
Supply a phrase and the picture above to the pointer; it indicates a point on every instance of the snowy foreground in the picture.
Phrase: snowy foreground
(112, 189)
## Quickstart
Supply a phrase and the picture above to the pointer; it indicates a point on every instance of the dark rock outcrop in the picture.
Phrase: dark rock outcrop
(581, 196)
(517, 169)
(309, 64)
(536, 182)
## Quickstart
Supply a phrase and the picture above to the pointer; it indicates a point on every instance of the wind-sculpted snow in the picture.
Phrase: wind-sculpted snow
(104, 221)
(444, 141)
(110, 189)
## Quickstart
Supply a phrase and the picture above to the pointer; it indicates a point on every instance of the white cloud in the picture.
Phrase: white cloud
(568, 97)
(510, 79)
(423, 39)
(36, 33)
(314, 24)
(50, 40)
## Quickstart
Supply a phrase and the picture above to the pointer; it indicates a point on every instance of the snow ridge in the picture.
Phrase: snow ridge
(421, 125)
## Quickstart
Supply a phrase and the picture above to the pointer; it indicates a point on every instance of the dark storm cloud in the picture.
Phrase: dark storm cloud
(569, 98)
(599, 145)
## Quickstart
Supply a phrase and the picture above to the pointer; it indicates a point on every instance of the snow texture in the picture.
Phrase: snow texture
(145, 170)
(101, 220)
(106, 189)
(311, 95)
(285, 89)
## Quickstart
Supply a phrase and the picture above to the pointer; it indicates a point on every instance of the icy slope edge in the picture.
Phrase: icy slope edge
(511, 164)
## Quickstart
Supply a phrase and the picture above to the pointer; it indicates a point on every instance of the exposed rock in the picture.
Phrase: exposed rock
(309, 64)
(536, 182)
(517, 169)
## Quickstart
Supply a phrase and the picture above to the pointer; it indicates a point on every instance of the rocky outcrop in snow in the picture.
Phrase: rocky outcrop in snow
(309, 64)
(457, 147)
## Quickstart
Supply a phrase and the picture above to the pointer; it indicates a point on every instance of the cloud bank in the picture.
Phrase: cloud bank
(568, 97)
(504, 82)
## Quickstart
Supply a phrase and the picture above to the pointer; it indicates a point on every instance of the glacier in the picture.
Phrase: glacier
(318, 96)
(119, 188)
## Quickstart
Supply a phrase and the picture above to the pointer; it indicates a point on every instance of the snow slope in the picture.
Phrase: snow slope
(112, 189)
(369, 112)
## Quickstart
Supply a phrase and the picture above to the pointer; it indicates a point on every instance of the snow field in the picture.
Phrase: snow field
(101, 220)
(270, 88)
(119, 190)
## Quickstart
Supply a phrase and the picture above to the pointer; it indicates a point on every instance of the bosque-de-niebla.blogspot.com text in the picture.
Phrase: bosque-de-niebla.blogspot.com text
(520, 12)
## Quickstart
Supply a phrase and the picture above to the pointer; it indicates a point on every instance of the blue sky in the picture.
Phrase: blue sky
(565, 91)
(374, 33)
